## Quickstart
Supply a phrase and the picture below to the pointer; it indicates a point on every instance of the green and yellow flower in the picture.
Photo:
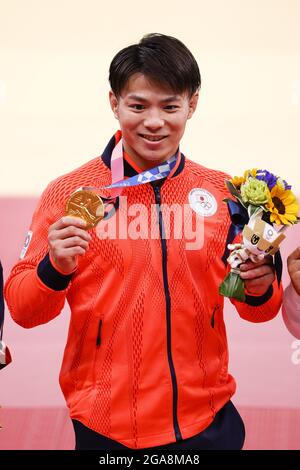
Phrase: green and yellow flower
(283, 206)
(255, 192)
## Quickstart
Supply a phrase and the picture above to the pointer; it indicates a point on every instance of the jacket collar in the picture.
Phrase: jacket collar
(128, 170)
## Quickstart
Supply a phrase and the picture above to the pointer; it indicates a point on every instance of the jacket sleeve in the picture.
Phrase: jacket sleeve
(291, 310)
(260, 308)
(35, 290)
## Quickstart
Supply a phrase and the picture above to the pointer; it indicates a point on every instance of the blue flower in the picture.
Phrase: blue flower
(268, 177)
(286, 186)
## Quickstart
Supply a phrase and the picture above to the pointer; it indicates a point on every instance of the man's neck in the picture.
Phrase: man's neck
(141, 164)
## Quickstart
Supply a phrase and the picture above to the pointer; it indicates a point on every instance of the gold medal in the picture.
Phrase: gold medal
(86, 205)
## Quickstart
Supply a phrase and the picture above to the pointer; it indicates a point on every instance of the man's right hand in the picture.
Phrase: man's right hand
(67, 240)
(293, 264)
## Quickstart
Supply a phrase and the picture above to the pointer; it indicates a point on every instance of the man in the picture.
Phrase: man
(291, 298)
(146, 359)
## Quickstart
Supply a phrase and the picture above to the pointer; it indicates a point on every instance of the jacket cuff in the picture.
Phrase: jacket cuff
(256, 301)
(51, 277)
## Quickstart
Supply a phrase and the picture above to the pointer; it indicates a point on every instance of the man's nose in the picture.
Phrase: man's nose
(154, 120)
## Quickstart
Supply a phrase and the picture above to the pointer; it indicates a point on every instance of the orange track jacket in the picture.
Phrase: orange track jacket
(146, 359)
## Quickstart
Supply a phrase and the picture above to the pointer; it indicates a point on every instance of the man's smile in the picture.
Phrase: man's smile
(153, 138)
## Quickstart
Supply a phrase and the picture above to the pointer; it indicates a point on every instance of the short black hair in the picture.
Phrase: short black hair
(162, 59)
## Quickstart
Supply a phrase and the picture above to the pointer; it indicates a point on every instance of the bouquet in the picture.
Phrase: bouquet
(262, 208)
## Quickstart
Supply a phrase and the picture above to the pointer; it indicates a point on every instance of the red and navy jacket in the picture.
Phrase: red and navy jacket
(146, 359)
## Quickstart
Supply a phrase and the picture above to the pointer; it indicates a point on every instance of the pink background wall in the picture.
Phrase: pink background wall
(260, 354)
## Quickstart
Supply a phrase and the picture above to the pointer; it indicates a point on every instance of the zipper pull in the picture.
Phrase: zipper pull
(98, 341)
(157, 194)
(212, 322)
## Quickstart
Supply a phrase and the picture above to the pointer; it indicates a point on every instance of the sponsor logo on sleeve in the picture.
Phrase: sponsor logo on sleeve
(26, 244)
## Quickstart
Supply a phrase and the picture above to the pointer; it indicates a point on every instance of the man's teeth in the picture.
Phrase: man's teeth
(152, 138)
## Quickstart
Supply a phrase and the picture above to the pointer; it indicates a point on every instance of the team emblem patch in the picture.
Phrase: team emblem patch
(203, 202)
(26, 244)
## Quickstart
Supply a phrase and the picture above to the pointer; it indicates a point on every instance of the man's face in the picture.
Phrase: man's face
(152, 119)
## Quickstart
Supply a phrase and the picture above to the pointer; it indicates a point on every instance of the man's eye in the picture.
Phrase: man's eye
(171, 107)
(138, 107)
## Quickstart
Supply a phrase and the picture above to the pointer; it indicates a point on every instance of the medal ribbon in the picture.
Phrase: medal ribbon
(164, 170)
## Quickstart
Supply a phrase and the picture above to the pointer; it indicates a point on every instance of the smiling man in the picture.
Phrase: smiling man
(152, 119)
(146, 360)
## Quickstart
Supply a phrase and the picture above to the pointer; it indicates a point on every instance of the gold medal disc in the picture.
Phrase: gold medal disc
(86, 205)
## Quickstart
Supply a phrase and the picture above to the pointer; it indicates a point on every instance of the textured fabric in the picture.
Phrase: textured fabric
(256, 301)
(50, 276)
(162, 363)
(226, 432)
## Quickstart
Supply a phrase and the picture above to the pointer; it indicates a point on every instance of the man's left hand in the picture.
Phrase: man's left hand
(258, 276)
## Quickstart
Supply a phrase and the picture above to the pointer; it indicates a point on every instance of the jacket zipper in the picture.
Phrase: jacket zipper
(212, 322)
(168, 311)
(98, 340)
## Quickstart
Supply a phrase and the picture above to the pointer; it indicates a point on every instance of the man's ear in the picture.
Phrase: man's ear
(114, 103)
(193, 104)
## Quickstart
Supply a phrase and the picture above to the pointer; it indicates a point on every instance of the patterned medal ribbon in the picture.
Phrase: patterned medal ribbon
(163, 170)
(88, 205)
